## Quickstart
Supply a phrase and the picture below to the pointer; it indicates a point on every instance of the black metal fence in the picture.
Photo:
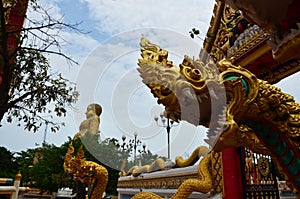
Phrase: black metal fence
(259, 176)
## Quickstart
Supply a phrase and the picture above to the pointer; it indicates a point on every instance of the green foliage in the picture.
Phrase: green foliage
(8, 165)
(106, 152)
(194, 32)
(47, 172)
(42, 167)
(24, 160)
(37, 93)
(32, 94)
(147, 157)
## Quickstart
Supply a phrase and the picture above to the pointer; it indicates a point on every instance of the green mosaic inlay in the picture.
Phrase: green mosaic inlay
(273, 139)
(297, 181)
(288, 158)
(244, 83)
(295, 168)
(257, 127)
(281, 148)
(265, 131)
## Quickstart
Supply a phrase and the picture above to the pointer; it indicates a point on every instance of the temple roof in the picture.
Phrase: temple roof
(232, 36)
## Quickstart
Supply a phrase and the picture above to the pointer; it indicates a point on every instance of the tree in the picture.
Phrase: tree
(108, 154)
(24, 159)
(30, 93)
(42, 167)
(48, 173)
(8, 165)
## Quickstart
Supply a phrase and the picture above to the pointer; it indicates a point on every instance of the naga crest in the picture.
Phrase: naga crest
(74, 164)
(89, 172)
(197, 92)
(179, 89)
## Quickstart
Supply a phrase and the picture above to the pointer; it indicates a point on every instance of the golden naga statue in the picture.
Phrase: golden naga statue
(238, 108)
(157, 165)
(89, 172)
(204, 184)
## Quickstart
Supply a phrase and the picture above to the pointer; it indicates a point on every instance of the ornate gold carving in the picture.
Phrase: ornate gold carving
(284, 39)
(197, 153)
(254, 42)
(95, 175)
(217, 41)
(217, 173)
(157, 182)
(281, 71)
(8, 5)
(158, 164)
(204, 184)
(185, 182)
(263, 166)
(246, 96)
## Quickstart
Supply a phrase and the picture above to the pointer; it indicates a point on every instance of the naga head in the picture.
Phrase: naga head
(199, 93)
(76, 165)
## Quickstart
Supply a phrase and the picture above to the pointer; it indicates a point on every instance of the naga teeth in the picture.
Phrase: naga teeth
(210, 134)
(210, 141)
(207, 141)
(219, 129)
(222, 123)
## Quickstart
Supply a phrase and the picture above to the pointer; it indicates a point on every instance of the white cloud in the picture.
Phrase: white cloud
(288, 85)
(118, 16)
(107, 71)
(109, 76)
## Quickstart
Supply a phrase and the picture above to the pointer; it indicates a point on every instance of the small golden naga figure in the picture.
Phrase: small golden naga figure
(89, 172)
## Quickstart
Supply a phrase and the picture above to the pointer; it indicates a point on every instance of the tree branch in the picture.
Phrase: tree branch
(52, 52)
(19, 99)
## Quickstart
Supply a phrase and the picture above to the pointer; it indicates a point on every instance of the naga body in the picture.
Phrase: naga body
(203, 184)
(238, 108)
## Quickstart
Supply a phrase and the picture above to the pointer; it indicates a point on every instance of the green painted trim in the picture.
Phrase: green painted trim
(288, 158)
(297, 181)
(281, 148)
(273, 139)
(265, 131)
(232, 77)
(295, 168)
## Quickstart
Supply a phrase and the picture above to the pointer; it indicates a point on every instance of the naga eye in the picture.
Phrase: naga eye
(195, 74)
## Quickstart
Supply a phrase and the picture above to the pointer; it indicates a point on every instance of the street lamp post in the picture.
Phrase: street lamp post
(135, 142)
(124, 143)
(167, 123)
(131, 143)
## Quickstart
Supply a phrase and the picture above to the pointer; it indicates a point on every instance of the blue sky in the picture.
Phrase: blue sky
(107, 74)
